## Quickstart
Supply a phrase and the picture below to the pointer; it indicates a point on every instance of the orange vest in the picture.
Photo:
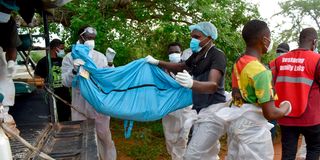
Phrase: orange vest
(294, 76)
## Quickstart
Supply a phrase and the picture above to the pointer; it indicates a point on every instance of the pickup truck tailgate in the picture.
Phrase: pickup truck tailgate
(75, 140)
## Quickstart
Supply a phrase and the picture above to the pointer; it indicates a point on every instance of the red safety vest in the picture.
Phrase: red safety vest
(294, 76)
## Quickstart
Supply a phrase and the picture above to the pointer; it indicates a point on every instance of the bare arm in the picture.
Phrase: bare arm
(270, 112)
(211, 85)
(175, 67)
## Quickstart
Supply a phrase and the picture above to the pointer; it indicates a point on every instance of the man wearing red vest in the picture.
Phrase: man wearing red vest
(297, 78)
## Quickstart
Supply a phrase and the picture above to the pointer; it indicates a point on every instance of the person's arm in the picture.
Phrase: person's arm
(175, 67)
(270, 112)
(67, 70)
(217, 70)
(211, 85)
(317, 75)
(110, 54)
(13, 41)
(265, 97)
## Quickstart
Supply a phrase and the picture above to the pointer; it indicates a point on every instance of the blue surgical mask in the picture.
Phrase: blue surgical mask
(316, 50)
(195, 45)
(61, 53)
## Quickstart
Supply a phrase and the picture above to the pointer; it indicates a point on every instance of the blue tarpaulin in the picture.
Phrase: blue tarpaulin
(137, 91)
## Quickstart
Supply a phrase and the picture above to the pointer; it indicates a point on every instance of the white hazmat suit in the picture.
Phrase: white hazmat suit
(249, 135)
(174, 128)
(106, 146)
(8, 90)
(6, 83)
(176, 133)
(207, 130)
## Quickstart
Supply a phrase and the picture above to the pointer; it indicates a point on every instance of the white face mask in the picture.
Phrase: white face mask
(270, 46)
(4, 17)
(90, 44)
(175, 57)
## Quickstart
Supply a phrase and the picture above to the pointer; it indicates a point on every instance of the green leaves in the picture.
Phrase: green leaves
(303, 13)
(136, 29)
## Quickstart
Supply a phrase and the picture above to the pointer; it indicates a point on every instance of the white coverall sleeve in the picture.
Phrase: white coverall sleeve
(66, 69)
(100, 59)
(104, 62)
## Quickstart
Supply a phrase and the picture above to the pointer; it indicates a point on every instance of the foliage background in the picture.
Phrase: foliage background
(301, 14)
(136, 29)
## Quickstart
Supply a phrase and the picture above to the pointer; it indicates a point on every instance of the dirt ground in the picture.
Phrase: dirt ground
(276, 147)
(147, 142)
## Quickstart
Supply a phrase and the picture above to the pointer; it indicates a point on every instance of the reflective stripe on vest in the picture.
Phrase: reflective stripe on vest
(295, 80)
(295, 85)
(272, 68)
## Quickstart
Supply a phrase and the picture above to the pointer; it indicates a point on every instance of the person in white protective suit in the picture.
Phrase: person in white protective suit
(248, 130)
(107, 150)
(8, 90)
(175, 133)
(208, 67)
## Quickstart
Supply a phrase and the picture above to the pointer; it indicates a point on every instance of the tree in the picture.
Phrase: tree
(138, 28)
(302, 13)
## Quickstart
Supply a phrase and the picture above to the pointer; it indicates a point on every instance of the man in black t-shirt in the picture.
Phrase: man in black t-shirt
(208, 67)
(42, 70)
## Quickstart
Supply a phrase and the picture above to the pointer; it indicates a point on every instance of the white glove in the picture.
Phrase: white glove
(110, 54)
(184, 79)
(76, 64)
(286, 103)
(152, 60)
(11, 67)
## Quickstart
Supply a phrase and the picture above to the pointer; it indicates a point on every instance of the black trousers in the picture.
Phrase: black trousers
(289, 140)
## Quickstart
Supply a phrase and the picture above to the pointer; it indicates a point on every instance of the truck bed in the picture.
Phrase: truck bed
(75, 140)
(68, 140)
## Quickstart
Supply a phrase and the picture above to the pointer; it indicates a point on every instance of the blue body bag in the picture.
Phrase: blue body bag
(137, 91)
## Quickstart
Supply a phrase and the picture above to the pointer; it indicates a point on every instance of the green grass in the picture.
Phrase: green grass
(146, 141)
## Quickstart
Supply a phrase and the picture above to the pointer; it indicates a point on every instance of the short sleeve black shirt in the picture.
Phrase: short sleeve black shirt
(200, 67)
(42, 70)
